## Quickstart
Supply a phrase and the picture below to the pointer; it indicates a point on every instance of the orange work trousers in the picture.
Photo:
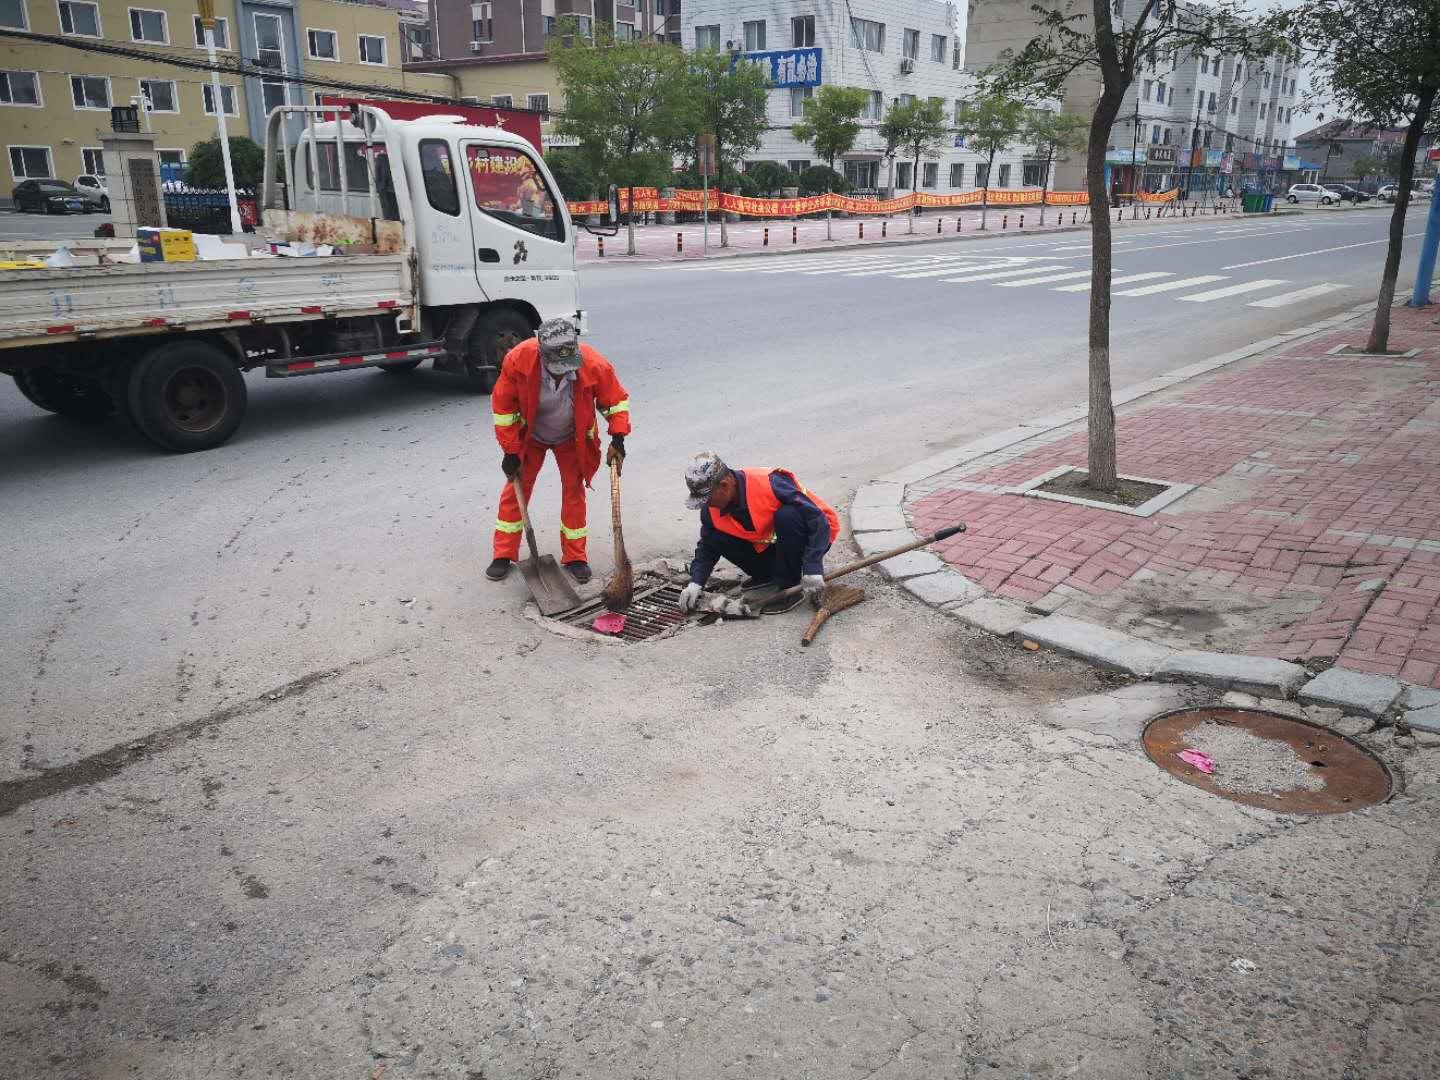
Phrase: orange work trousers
(573, 532)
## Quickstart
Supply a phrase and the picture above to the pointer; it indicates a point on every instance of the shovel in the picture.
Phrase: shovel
(548, 585)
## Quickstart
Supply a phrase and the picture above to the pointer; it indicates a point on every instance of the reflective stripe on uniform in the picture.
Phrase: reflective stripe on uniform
(504, 526)
(573, 534)
(618, 407)
(506, 419)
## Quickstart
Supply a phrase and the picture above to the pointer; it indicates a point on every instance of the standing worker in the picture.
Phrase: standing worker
(550, 388)
(765, 522)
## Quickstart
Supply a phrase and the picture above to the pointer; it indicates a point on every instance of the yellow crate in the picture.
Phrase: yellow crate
(166, 245)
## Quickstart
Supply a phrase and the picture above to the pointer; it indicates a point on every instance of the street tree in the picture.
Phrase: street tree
(205, 167)
(729, 103)
(918, 128)
(770, 176)
(831, 124)
(626, 103)
(1365, 167)
(1380, 65)
(1054, 134)
(1090, 36)
(990, 125)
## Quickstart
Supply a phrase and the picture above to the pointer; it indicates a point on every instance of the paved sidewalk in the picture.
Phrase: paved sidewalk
(1312, 532)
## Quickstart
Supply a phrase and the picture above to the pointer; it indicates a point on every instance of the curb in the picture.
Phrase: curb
(878, 522)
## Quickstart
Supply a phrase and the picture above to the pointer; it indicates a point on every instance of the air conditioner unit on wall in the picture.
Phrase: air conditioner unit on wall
(907, 67)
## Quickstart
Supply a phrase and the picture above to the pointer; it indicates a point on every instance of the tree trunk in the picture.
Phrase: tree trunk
(1045, 188)
(1102, 463)
(630, 223)
(828, 236)
(1380, 330)
(914, 187)
(985, 195)
(720, 176)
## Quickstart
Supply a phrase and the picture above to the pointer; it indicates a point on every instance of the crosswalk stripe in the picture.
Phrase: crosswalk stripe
(992, 274)
(1043, 280)
(1234, 290)
(959, 268)
(891, 265)
(852, 261)
(1167, 286)
(1084, 286)
(954, 265)
(1295, 297)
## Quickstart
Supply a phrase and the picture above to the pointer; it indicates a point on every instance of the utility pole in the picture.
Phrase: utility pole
(1135, 148)
(206, 9)
(1425, 273)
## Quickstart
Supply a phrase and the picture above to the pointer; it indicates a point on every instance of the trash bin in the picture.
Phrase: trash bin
(1269, 204)
(1251, 203)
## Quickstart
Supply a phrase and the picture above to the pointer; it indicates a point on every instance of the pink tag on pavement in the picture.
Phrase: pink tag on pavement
(1203, 762)
(608, 623)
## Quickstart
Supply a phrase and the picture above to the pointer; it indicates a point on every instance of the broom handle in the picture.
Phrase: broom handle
(861, 564)
(815, 624)
(615, 511)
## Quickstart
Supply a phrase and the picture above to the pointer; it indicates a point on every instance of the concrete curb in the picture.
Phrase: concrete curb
(877, 522)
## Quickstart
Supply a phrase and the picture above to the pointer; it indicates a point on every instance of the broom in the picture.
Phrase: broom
(620, 589)
(834, 598)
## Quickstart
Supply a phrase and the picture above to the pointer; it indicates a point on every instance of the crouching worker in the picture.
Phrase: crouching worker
(763, 521)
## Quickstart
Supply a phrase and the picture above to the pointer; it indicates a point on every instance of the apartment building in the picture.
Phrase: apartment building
(462, 29)
(54, 100)
(893, 49)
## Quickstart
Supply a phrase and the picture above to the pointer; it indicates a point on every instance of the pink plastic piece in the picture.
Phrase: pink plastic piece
(608, 623)
(1203, 762)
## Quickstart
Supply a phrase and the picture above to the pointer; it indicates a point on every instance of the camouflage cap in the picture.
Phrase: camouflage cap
(560, 343)
(701, 475)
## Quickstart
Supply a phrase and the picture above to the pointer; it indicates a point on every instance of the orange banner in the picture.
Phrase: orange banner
(692, 202)
(1159, 197)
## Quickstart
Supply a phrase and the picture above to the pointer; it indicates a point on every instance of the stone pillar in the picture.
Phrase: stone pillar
(667, 217)
(132, 173)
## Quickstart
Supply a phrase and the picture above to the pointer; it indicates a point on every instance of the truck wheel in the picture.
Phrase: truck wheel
(186, 396)
(68, 395)
(400, 366)
(494, 335)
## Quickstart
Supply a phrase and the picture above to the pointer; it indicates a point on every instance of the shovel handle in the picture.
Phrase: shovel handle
(861, 564)
(524, 517)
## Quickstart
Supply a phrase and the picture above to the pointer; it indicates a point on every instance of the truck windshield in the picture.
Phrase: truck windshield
(510, 187)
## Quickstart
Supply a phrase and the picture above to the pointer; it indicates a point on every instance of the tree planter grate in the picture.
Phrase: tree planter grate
(654, 611)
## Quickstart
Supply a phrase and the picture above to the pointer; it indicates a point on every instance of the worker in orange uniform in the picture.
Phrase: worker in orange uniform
(550, 388)
(766, 523)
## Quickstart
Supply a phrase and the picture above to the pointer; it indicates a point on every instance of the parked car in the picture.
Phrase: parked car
(95, 189)
(1388, 193)
(1311, 193)
(1346, 193)
(49, 197)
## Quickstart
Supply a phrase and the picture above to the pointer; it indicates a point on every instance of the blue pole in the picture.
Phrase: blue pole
(1425, 273)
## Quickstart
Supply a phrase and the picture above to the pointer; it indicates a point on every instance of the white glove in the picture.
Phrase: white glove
(812, 585)
(690, 597)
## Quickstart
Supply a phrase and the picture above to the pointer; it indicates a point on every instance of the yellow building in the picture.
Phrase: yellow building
(523, 81)
(56, 95)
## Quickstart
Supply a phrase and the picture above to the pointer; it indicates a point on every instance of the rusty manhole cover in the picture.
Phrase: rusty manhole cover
(1266, 760)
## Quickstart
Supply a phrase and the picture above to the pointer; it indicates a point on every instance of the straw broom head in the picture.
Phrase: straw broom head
(620, 589)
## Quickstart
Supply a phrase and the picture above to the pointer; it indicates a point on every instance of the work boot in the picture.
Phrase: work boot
(499, 570)
(580, 571)
(778, 605)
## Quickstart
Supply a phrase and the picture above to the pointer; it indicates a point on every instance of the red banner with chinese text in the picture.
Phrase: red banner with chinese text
(1159, 196)
(647, 200)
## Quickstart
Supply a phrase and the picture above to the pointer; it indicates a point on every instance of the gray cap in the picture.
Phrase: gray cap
(701, 475)
(560, 343)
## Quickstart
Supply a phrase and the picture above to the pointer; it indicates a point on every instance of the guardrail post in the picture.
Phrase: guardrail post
(600, 246)
(765, 241)
(679, 243)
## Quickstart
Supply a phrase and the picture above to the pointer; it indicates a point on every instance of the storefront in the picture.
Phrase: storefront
(1159, 168)
(1123, 171)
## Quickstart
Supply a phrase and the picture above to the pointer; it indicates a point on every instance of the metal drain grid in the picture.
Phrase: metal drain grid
(653, 611)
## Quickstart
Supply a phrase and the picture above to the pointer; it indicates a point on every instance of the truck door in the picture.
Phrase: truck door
(523, 248)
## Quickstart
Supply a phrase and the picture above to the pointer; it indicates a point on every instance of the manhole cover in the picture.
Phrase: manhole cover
(1267, 760)
(654, 610)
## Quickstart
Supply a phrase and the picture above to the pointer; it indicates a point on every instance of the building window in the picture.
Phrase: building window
(911, 45)
(1206, 141)
(1210, 106)
(798, 96)
(269, 49)
(1204, 65)
(1239, 71)
(80, 19)
(174, 159)
(982, 175)
(438, 173)
(902, 175)
(1262, 110)
(1149, 86)
(957, 174)
(802, 31)
(222, 34)
(372, 49)
(539, 103)
(583, 24)
(1234, 106)
(1267, 81)
(1004, 180)
(874, 106)
(90, 91)
(754, 35)
(1155, 135)
(707, 37)
(1166, 140)
(323, 45)
(906, 99)
(1032, 174)
(937, 48)
(503, 101)
(1229, 143)
(30, 163)
(92, 160)
(273, 94)
(798, 166)
(868, 35)
(227, 95)
(150, 26)
(482, 26)
(161, 95)
(12, 16)
(930, 174)
(624, 31)
(549, 26)
(1160, 92)
(20, 88)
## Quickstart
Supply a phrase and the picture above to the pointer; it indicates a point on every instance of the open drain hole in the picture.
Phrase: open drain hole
(1269, 761)
(655, 610)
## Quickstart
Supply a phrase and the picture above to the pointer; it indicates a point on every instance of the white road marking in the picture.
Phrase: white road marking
(1168, 286)
(1234, 290)
(1085, 286)
(954, 266)
(992, 274)
(1043, 280)
(1322, 251)
(884, 265)
(957, 269)
(1296, 296)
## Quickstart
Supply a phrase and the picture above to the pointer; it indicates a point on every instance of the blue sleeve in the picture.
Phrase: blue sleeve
(817, 525)
(706, 554)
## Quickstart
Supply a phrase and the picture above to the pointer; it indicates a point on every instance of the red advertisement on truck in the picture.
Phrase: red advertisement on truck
(522, 122)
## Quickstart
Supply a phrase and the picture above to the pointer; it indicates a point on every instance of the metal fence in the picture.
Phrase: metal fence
(208, 211)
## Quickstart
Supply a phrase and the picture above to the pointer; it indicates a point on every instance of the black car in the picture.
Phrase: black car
(49, 197)
(1348, 193)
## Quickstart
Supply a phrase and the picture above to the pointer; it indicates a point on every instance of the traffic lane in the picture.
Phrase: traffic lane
(17, 226)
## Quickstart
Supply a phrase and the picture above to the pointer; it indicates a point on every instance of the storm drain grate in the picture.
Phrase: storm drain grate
(1266, 760)
(654, 610)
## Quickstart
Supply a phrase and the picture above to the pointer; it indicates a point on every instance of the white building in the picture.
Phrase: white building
(891, 48)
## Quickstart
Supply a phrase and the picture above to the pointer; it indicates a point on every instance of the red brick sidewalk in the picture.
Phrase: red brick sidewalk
(1314, 530)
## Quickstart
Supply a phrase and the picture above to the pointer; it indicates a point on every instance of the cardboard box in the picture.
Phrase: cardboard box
(165, 245)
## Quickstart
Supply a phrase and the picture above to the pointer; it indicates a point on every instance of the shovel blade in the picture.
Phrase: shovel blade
(549, 586)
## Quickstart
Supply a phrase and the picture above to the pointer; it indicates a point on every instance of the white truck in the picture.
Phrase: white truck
(457, 245)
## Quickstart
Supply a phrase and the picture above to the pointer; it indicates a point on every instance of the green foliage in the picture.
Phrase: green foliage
(992, 123)
(918, 128)
(1366, 167)
(737, 183)
(819, 179)
(573, 173)
(770, 175)
(1056, 134)
(206, 165)
(728, 103)
(831, 122)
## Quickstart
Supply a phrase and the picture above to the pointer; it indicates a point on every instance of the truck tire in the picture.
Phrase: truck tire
(494, 335)
(186, 396)
(68, 395)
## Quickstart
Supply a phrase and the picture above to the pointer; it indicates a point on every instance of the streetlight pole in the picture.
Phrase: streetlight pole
(206, 9)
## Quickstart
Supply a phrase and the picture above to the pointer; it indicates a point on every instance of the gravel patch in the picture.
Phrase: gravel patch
(1248, 765)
